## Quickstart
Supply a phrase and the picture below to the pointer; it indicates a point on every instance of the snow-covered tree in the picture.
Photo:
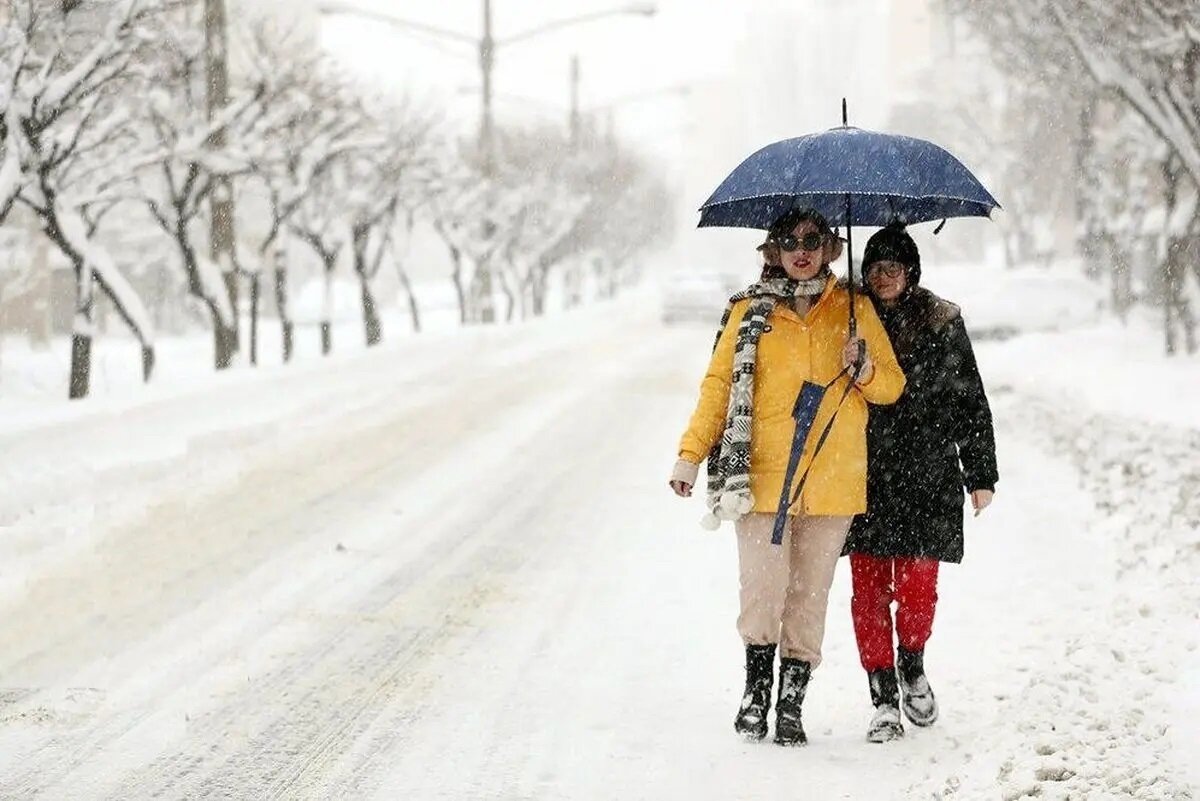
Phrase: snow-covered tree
(380, 175)
(319, 221)
(458, 200)
(1102, 62)
(66, 119)
(183, 163)
(314, 127)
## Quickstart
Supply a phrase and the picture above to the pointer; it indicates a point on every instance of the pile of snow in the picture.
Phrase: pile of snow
(1105, 367)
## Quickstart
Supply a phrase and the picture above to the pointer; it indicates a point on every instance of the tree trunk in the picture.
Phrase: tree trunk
(288, 330)
(86, 281)
(485, 305)
(81, 366)
(413, 311)
(1168, 324)
(372, 325)
(224, 337)
(326, 338)
(1122, 291)
(509, 297)
(327, 310)
(224, 341)
(281, 307)
(483, 300)
(460, 292)
(538, 300)
(1169, 284)
(81, 335)
(574, 287)
(254, 319)
(1177, 310)
(132, 323)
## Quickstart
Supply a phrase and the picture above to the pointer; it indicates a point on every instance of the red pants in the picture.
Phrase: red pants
(878, 580)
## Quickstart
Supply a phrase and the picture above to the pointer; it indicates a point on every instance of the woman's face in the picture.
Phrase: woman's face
(888, 279)
(801, 263)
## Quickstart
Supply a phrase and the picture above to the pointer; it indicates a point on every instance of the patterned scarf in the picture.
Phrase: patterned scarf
(729, 463)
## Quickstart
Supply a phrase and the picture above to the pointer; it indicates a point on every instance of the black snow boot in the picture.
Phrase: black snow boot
(793, 683)
(919, 704)
(751, 720)
(885, 697)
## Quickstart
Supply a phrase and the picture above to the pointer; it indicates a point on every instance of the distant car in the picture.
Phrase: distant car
(690, 296)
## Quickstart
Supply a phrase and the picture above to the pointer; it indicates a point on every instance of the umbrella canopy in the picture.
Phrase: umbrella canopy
(888, 178)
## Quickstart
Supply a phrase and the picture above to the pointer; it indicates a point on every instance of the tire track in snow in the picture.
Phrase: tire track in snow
(63, 754)
(289, 753)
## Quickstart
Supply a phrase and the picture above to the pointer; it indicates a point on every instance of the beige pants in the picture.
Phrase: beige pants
(785, 588)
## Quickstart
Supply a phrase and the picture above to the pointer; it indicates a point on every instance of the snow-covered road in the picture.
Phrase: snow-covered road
(454, 571)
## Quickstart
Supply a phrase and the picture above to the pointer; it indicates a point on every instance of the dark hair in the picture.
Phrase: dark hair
(787, 222)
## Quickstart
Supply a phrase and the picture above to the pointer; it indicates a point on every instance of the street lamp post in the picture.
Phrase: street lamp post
(573, 119)
(487, 45)
(487, 60)
(221, 202)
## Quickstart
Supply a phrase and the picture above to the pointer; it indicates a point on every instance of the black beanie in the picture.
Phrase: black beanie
(893, 244)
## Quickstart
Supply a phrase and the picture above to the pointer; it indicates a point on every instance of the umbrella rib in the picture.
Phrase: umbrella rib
(842, 192)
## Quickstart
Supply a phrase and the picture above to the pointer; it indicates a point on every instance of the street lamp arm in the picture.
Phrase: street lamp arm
(349, 8)
(645, 9)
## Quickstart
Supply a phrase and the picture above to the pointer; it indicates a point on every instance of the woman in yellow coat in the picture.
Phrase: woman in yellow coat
(790, 327)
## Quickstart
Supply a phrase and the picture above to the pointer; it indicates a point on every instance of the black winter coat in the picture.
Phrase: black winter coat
(937, 439)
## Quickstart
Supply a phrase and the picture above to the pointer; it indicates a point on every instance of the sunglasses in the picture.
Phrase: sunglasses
(892, 270)
(790, 242)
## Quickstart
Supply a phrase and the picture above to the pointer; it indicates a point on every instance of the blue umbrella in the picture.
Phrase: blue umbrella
(852, 177)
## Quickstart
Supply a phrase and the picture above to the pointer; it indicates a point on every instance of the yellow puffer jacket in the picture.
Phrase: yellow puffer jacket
(794, 350)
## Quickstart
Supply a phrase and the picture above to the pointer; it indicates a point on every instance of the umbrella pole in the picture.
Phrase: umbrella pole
(850, 252)
(850, 274)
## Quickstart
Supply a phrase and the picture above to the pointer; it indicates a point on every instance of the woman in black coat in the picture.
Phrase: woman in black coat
(922, 452)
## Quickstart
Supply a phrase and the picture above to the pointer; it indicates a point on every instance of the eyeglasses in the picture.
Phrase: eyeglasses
(892, 269)
(790, 242)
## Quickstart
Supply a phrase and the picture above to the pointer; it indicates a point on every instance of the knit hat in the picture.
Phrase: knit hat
(893, 244)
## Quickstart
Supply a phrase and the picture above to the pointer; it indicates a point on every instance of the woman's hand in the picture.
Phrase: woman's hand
(683, 478)
(981, 499)
(682, 488)
(850, 353)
